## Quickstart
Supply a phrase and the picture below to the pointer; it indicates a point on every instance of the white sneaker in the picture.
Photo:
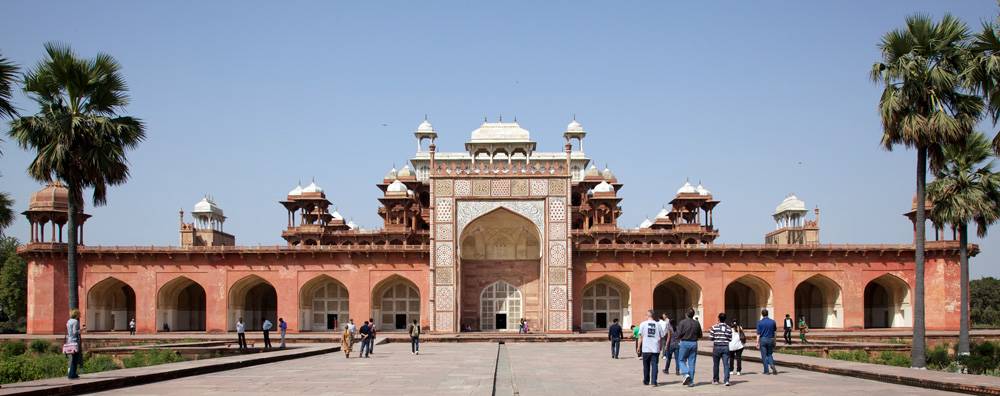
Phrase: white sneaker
(739, 373)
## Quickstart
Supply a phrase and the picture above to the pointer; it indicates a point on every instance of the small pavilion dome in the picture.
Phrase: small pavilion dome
(664, 214)
(207, 206)
(645, 223)
(352, 225)
(53, 197)
(500, 132)
(607, 174)
(391, 175)
(425, 126)
(604, 187)
(336, 215)
(312, 188)
(396, 187)
(791, 203)
(687, 188)
(574, 126)
(592, 172)
(405, 172)
(702, 190)
(296, 191)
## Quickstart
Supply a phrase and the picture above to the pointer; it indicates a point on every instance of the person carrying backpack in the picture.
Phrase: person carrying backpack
(414, 331)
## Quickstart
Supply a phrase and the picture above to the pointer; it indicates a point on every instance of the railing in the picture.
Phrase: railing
(930, 245)
(107, 249)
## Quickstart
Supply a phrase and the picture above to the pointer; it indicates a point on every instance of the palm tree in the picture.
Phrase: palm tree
(923, 106)
(983, 72)
(78, 134)
(8, 72)
(966, 189)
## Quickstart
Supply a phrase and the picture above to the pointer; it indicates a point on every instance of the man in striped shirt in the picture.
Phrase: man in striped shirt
(721, 334)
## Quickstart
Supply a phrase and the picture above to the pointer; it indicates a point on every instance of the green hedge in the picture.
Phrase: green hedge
(151, 357)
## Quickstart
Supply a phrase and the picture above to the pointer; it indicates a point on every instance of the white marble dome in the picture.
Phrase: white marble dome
(791, 203)
(604, 187)
(687, 188)
(405, 172)
(702, 190)
(607, 174)
(592, 172)
(425, 127)
(396, 187)
(296, 191)
(336, 215)
(312, 188)
(500, 132)
(664, 214)
(207, 205)
(574, 126)
(352, 225)
(645, 223)
(391, 175)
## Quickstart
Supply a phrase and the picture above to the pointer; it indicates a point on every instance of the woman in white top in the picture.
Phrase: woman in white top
(736, 348)
(73, 337)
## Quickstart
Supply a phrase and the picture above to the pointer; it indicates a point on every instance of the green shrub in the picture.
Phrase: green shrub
(151, 357)
(851, 356)
(32, 367)
(99, 363)
(39, 346)
(939, 357)
(893, 359)
(12, 348)
(983, 358)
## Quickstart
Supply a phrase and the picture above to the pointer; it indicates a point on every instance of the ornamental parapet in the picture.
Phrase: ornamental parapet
(50, 249)
(934, 247)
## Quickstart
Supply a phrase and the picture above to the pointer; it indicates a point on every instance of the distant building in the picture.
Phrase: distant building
(480, 239)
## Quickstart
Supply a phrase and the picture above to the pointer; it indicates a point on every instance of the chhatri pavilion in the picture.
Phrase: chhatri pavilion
(477, 240)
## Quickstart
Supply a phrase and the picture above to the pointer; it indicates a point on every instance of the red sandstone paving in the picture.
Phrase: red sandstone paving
(467, 369)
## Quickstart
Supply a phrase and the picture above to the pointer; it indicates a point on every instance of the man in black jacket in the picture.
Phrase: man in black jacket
(615, 336)
(689, 331)
(788, 329)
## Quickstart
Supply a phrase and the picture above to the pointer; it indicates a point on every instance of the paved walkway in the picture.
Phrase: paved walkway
(468, 369)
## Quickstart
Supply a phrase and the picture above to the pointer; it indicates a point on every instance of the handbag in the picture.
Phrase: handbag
(70, 348)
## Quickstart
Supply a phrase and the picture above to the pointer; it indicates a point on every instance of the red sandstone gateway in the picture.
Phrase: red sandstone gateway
(480, 240)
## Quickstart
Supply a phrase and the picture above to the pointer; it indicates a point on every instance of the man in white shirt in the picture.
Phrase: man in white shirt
(351, 328)
(267, 330)
(241, 336)
(651, 337)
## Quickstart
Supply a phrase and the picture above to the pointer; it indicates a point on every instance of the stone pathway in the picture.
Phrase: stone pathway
(468, 369)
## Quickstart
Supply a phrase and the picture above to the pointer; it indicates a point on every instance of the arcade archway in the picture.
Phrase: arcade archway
(395, 303)
(324, 304)
(180, 306)
(604, 301)
(887, 303)
(675, 296)
(110, 305)
(818, 300)
(253, 299)
(500, 254)
(745, 298)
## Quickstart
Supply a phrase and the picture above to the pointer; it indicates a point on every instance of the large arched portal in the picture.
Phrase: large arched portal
(110, 305)
(180, 306)
(745, 298)
(253, 299)
(887, 303)
(818, 300)
(395, 303)
(323, 304)
(675, 296)
(604, 301)
(499, 253)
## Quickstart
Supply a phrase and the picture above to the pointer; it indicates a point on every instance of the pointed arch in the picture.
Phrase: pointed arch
(500, 234)
(110, 305)
(180, 305)
(887, 302)
(501, 307)
(323, 304)
(395, 302)
(254, 299)
(745, 297)
(675, 295)
(605, 300)
(819, 299)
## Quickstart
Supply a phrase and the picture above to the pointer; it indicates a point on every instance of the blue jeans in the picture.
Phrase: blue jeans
(365, 346)
(767, 353)
(414, 344)
(75, 360)
(687, 358)
(615, 347)
(720, 352)
(672, 352)
(650, 363)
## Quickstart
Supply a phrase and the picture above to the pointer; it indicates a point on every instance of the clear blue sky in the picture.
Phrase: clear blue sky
(242, 99)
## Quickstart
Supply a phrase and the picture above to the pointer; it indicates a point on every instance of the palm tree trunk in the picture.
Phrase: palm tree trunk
(963, 254)
(918, 357)
(74, 298)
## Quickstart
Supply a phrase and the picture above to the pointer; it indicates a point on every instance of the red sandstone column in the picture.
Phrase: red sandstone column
(852, 292)
(783, 293)
(286, 286)
(713, 293)
(145, 303)
(216, 295)
(45, 313)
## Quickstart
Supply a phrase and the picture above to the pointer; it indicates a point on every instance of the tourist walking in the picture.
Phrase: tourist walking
(74, 344)
(266, 327)
(670, 351)
(788, 329)
(282, 326)
(241, 337)
(689, 331)
(651, 340)
(371, 335)
(635, 337)
(352, 328)
(414, 331)
(131, 327)
(615, 336)
(522, 327)
(721, 335)
(347, 341)
(803, 329)
(766, 328)
(365, 339)
(736, 348)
